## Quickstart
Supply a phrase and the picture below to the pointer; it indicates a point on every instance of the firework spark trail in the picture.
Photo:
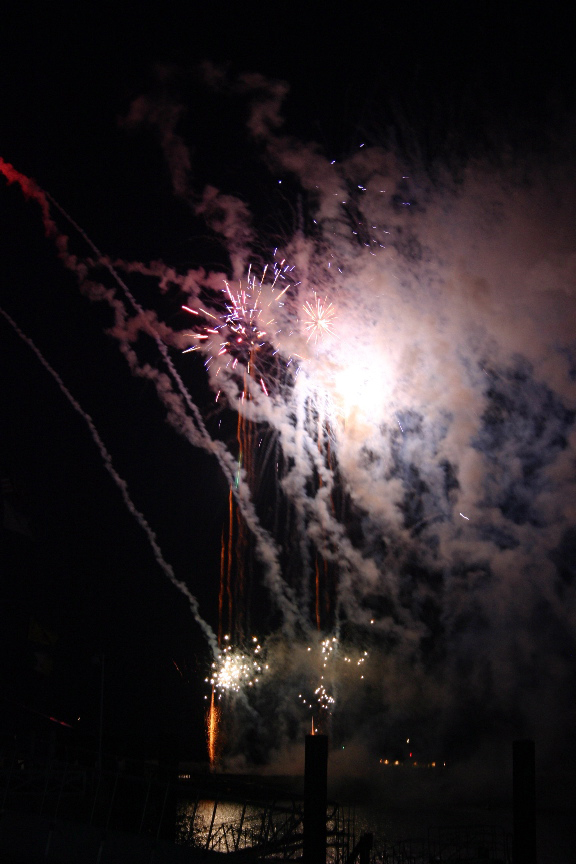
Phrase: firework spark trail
(265, 548)
(389, 212)
(198, 435)
(453, 351)
(316, 522)
(450, 384)
(212, 728)
(122, 486)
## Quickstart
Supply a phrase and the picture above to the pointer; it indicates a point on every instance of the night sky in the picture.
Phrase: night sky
(126, 119)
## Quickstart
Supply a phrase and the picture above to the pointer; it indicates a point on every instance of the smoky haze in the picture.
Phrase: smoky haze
(448, 384)
(440, 489)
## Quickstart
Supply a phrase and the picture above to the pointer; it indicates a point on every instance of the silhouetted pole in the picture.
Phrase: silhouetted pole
(315, 798)
(366, 843)
(101, 724)
(524, 788)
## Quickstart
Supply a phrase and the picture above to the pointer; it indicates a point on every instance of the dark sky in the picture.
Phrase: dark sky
(445, 81)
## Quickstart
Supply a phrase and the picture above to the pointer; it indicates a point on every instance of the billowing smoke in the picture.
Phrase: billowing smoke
(424, 445)
(447, 389)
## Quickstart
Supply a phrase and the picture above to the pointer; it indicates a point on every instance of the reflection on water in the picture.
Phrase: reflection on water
(199, 822)
(272, 826)
(228, 826)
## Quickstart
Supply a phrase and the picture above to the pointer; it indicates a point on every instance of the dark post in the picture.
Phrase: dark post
(315, 798)
(524, 789)
(366, 843)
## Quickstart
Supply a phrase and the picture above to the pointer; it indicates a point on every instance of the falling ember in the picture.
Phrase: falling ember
(330, 664)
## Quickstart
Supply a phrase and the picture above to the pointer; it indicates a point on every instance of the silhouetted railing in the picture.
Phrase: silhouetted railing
(470, 844)
(148, 805)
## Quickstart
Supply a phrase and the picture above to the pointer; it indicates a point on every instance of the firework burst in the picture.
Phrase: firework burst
(237, 668)
(333, 664)
(242, 332)
(318, 318)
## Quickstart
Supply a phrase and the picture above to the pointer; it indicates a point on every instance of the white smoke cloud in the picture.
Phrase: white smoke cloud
(451, 378)
(427, 445)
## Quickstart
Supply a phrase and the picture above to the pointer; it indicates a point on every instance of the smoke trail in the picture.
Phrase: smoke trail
(31, 191)
(177, 409)
(122, 486)
(450, 390)
(441, 489)
(198, 436)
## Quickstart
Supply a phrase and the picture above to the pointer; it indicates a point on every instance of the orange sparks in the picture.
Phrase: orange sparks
(212, 726)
